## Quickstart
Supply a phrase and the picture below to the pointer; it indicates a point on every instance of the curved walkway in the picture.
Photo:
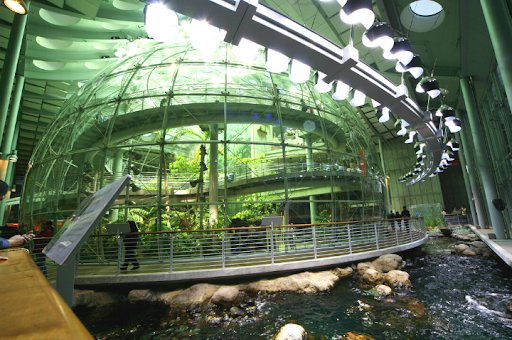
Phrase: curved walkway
(240, 252)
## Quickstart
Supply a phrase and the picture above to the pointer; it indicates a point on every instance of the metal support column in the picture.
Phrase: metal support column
(467, 155)
(12, 55)
(467, 184)
(482, 160)
(499, 25)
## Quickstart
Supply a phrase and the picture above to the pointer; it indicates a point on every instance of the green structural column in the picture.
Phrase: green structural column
(7, 145)
(470, 182)
(9, 66)
(499, 25)
(310, 165)
(213, 195)
(117, 169)
(482, 160)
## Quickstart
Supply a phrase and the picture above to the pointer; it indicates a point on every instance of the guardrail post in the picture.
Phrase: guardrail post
(119, 252)
(171, 250)
(313, 231)
(410, 229)
(349, 239)
(272, 243)
(396, 233)
(376, 236)
(223, 250)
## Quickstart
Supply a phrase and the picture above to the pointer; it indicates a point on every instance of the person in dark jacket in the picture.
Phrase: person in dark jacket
(130, 241)
(406, 215)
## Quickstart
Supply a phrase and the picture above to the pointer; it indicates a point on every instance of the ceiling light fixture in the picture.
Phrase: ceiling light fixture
(384, 114)
(357, 12)
(454, 124)
(16, 6)
(414, 67)
(428, 85)
(299, 72)
(401, 51)
(379, 35)
(276, 61)
(445, 110)
(320, 85)
(341, 90)
(358, 98)
(160, 22)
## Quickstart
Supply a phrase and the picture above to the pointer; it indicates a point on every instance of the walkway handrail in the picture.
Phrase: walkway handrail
(255, 249)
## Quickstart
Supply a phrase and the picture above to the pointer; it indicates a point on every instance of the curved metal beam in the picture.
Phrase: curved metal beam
(262, 25)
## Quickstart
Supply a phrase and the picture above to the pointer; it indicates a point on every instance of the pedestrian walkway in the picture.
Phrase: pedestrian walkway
(502, 248)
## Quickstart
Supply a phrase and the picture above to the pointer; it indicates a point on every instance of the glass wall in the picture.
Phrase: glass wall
(207, 142)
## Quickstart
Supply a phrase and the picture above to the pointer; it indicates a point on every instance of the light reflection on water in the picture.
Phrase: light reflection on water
(453, 297)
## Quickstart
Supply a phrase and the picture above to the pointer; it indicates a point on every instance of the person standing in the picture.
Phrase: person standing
(41, 240)
(130, 241)
(406, 215)
(16, 240)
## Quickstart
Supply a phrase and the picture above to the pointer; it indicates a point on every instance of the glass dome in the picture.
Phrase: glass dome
(206, 140)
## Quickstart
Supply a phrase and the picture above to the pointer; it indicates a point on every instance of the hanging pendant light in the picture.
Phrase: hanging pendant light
(341, 91)
(403, 128)
(453, 145)
(320, 85)
(454, 124)
(247, 51)
(358, 98)
(204, 37)
(384, 114)
(276, 61)
(299, 72)
(401, 51)
(379, 35)
(428, 85)
(411, 137)
(160, 22)
(445, 110)
(414, 67)
(357, 12)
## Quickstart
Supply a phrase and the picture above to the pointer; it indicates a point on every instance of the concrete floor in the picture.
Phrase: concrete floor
(502, 248)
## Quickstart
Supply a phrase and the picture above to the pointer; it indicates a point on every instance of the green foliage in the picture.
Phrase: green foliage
(182, 164)
(253, 212)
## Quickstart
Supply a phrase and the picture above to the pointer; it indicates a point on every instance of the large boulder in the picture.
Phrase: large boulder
(397, 278)
(460, 248)
(92, 299)
(141, 295)
(383, 290)
(195, 295)
(382, 264)
(388, 262)
(291, 331)
(363, 266)
(305, 282)
(225, 295)
(342, 272)
(371, 276)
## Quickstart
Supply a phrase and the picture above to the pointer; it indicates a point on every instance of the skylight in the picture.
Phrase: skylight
(425, 8)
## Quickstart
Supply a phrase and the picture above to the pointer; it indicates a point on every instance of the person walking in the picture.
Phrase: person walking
(130, 241)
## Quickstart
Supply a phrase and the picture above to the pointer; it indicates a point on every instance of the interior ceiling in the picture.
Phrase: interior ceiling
(61, 52)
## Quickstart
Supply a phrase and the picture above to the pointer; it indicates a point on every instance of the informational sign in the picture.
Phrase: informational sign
(76, 230)
(274, 221)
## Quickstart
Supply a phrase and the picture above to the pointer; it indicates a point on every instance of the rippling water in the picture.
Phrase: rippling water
(453, 297)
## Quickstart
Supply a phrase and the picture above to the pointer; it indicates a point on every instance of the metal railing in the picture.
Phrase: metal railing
(451, 220)
(171, 252)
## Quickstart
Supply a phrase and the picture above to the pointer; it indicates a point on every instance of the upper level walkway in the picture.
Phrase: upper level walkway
(166, 257)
